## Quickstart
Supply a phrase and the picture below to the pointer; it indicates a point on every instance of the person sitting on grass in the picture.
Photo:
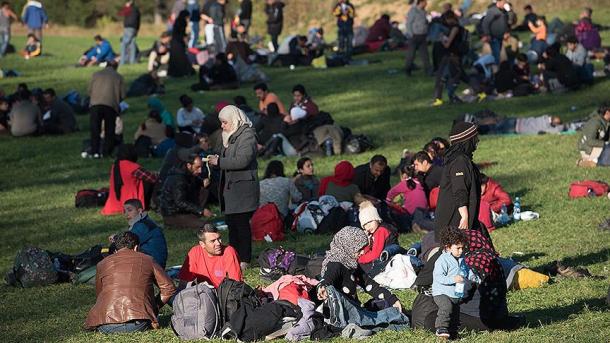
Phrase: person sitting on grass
(101, 52)
(33, 48)
(305, 179)
(278, 189)
(493, 193)
(408, 193)
(155, 103)
(210, 261)
(594, 137)
(125, 301)
(24, 118)
(373, 178)
(340, 185)
(219, 76)
(266, 97)
(152, 133)
(61, 118)
(446, 277)
(381, 234)
(189, 117)
(180, 198)
(150, 235)
(428, 172)
(128, 180)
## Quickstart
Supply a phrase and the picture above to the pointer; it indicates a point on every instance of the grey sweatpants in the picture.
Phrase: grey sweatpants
(448, 311)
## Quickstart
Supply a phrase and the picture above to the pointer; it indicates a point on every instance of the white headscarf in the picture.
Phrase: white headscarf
(236, 119)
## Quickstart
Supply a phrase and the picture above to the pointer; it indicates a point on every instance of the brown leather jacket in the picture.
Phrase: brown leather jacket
(124, 289)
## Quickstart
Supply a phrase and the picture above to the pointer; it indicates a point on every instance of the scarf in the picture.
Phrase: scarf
(461, 148)
(236, 119)
(344, 174)
(133, 221)
(481, 256)
(344, 246)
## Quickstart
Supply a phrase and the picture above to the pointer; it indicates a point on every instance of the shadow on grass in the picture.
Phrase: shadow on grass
(546, 316)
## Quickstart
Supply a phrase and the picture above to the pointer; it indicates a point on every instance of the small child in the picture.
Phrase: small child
(381, 237)
(32, 47)
(445, 277)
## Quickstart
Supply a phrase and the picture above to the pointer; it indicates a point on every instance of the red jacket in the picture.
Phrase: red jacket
(133, 188)
(496, 196)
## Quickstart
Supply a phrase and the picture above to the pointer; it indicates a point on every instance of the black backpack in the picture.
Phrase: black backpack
(464, 44)
(356, 144)
(231, 295)
(314, 266)
(91, 197)
(334, 221)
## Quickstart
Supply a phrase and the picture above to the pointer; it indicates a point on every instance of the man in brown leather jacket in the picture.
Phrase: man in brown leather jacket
(124, 289)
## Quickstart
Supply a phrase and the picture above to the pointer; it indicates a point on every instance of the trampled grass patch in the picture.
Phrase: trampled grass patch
(40, 176)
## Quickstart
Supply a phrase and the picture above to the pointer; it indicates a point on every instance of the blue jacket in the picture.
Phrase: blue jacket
(445, 268)
(152, 240)
(102, 52)
(34, 16)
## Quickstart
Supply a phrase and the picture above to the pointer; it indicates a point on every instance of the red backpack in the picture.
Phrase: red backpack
(583, 189)
(267, 220)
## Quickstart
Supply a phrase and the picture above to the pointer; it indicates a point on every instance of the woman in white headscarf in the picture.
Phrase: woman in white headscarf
(239, 188)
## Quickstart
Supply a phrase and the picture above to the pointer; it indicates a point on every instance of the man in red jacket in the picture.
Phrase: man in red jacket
(494, 194)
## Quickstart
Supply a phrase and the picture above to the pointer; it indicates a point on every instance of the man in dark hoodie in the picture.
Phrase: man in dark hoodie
(494, 25)
(275, 20)
(131, 25)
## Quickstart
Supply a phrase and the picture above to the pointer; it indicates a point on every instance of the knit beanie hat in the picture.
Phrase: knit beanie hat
(368, 213)
(462, 131)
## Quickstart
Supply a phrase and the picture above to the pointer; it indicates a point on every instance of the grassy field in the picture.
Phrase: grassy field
(41, 175)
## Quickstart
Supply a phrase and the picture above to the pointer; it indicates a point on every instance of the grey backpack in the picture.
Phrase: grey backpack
(196, 313)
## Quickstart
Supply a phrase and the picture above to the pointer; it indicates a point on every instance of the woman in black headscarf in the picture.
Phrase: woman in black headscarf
(460, 195)
(179, 64)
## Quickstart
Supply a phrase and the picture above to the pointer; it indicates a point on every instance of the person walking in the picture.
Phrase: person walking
(460, 195)
(417, 31)
(106, 90)
(239, 188)
(345, 13)
(275, 21)
(131, 25)
(495, 25)
(192, 6)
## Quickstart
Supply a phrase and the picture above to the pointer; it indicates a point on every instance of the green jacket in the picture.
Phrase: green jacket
(595, 133)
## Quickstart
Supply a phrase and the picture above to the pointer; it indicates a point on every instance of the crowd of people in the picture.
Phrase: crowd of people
(213, 159)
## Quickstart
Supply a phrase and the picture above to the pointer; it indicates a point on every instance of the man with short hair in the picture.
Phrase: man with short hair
(100, 53)
(265, 97)
(6, 17)
(210, 261)
(417, 33)
(124, 286)
(431, 174)
(60, 118)
(576, 53)
(179, 199)
(24, 118)
(495, 25)
(106, 91)
(131, 26)
(595, 137)
(373, 178)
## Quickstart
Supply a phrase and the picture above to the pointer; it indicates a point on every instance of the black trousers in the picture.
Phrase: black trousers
(417, 43)
(240, 234)
(99, 113)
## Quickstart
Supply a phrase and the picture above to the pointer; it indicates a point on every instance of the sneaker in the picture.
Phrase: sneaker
(481, 97)
(84, 154)
(442, 332)
(437, 102)
(97, 156)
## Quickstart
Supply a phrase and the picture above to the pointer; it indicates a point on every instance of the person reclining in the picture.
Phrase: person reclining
(210, 261)
(101, 52)
(524, 126)
(594, 137)
(126, 300)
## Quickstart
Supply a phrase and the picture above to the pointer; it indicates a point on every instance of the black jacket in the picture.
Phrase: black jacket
(368, 185)
(346, 281)
(432, 178)
(275, 18)
(460, 186)
(180, 193)
(245, 12)
(133, 19)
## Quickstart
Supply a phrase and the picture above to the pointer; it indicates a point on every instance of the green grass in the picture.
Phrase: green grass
(41, 175)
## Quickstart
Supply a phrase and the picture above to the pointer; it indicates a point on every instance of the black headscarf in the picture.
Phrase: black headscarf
(466, 147)
(126, 152)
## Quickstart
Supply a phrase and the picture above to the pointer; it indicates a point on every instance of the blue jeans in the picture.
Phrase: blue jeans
(194, 34)
(128, 46)
(496, 48)
(132, 326)
(5, 38)
(345, 311)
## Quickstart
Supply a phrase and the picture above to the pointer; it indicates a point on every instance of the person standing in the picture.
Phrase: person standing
(106, 90)
(214, 15)
(35, 17)
(6, 17)
(131, 25)
(245, 14)
(495, 25)
(239, 188)
(417, 31)
(179, 64)
(192, 6)
(275, 21)
(460, 195)
(345, 13)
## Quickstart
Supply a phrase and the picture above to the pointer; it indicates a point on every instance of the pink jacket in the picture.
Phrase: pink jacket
(299, 280)
(413, 198)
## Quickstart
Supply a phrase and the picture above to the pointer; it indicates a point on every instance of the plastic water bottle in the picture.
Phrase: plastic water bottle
(504, 215)
(328, 147)
(517, 209)
(459, 286)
